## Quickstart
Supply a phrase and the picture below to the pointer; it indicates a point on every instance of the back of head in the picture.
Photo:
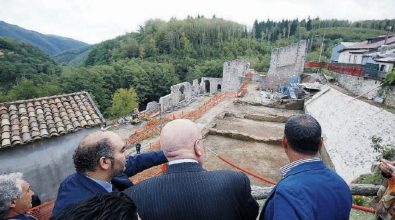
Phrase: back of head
(91, 149)
(115, 205)
(303, 134)
(178, 139)
(10, 190)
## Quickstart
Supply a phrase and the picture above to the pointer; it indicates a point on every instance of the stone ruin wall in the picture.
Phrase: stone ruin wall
(284, 63)
(233, 75)
(367, 88)
(213, 83)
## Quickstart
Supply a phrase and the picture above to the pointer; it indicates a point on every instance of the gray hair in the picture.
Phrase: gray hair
(10, 189)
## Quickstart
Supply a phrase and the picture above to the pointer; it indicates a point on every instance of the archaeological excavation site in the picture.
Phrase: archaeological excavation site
(242, 117)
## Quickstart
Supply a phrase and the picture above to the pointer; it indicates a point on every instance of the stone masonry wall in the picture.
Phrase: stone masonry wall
(390, 97)
(359, 85)
(214, 82)
(284, 63)
(233, 75)
(232, 71)
(152, 107)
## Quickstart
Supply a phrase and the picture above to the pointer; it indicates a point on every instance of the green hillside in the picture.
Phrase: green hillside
(22, 62)
(50, 44)
(73, 57)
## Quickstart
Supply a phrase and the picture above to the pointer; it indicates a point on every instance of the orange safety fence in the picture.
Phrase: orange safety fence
(348, 69)
(43, 211)
(153, 127)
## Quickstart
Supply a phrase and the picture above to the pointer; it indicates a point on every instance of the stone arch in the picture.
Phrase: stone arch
(206, 86)
(219, 87)
(182, 93)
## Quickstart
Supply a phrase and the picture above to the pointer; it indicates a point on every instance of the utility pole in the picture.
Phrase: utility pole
(322, 47)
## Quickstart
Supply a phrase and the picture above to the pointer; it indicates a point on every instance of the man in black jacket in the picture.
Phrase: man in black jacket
(187, 191)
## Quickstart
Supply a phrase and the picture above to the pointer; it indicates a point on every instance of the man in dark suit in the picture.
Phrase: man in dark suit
(102, 167)
(186, 190)
(308, 189)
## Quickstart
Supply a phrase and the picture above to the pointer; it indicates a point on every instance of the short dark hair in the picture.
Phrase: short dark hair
(114, 205)
(86, 158)
(303, 134)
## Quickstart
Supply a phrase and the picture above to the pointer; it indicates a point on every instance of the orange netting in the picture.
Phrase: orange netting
(43, 211)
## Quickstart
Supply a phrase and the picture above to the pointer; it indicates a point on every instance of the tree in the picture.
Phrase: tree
(124, 101)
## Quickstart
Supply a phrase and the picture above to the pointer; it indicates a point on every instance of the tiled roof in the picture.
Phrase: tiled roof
(366, 45)
(25, 121)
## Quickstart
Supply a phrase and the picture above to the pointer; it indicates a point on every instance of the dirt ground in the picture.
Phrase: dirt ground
(259, 158)
(257, 128)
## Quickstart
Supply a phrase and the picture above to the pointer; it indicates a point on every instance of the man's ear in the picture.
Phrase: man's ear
(321, 143)
(285, 142)
(198, 150)
(104, 163)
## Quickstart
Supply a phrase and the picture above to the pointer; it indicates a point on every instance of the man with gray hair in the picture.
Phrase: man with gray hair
(15, 197)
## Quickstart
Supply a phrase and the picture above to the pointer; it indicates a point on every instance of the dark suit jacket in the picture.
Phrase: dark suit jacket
(187, 191)
(77, 187)
(309, 191)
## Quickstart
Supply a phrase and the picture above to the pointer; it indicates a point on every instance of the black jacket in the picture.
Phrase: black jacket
(187, 191)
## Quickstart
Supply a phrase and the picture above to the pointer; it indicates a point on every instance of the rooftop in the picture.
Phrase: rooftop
(30, 120)
(366, 45)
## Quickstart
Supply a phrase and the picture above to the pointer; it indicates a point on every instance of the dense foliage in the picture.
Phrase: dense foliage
(124, 102)
(162, 53)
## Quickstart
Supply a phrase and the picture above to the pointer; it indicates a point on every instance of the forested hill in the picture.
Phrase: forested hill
(50, 44)
(19, 61)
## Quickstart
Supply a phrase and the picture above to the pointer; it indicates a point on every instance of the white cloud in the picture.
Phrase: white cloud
(95, 20)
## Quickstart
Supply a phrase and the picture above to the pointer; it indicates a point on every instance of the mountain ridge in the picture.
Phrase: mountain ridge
(49, 43)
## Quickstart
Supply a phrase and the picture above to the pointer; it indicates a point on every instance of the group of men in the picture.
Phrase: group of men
(100, 187)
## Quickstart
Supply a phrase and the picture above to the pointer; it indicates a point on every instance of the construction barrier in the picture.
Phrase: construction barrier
(43, 211)
(153, 127)
(342, 68)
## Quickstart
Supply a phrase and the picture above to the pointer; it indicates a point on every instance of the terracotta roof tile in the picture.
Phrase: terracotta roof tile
(30, 120)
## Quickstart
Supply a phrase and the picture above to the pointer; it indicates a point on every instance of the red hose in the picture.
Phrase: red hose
(248, 172)
(363, 208)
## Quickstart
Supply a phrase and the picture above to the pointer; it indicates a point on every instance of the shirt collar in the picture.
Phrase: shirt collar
(285, 169)
(106, 185)
(182, 161)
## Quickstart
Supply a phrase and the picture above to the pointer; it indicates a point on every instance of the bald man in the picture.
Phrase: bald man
(186, 190)
(101, 166)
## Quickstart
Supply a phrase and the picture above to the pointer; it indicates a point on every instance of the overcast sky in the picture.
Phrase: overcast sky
(93, 21)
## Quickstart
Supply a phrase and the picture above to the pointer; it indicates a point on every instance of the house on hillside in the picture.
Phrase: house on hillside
(376, 54)
(338, 47)
(39, 136)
